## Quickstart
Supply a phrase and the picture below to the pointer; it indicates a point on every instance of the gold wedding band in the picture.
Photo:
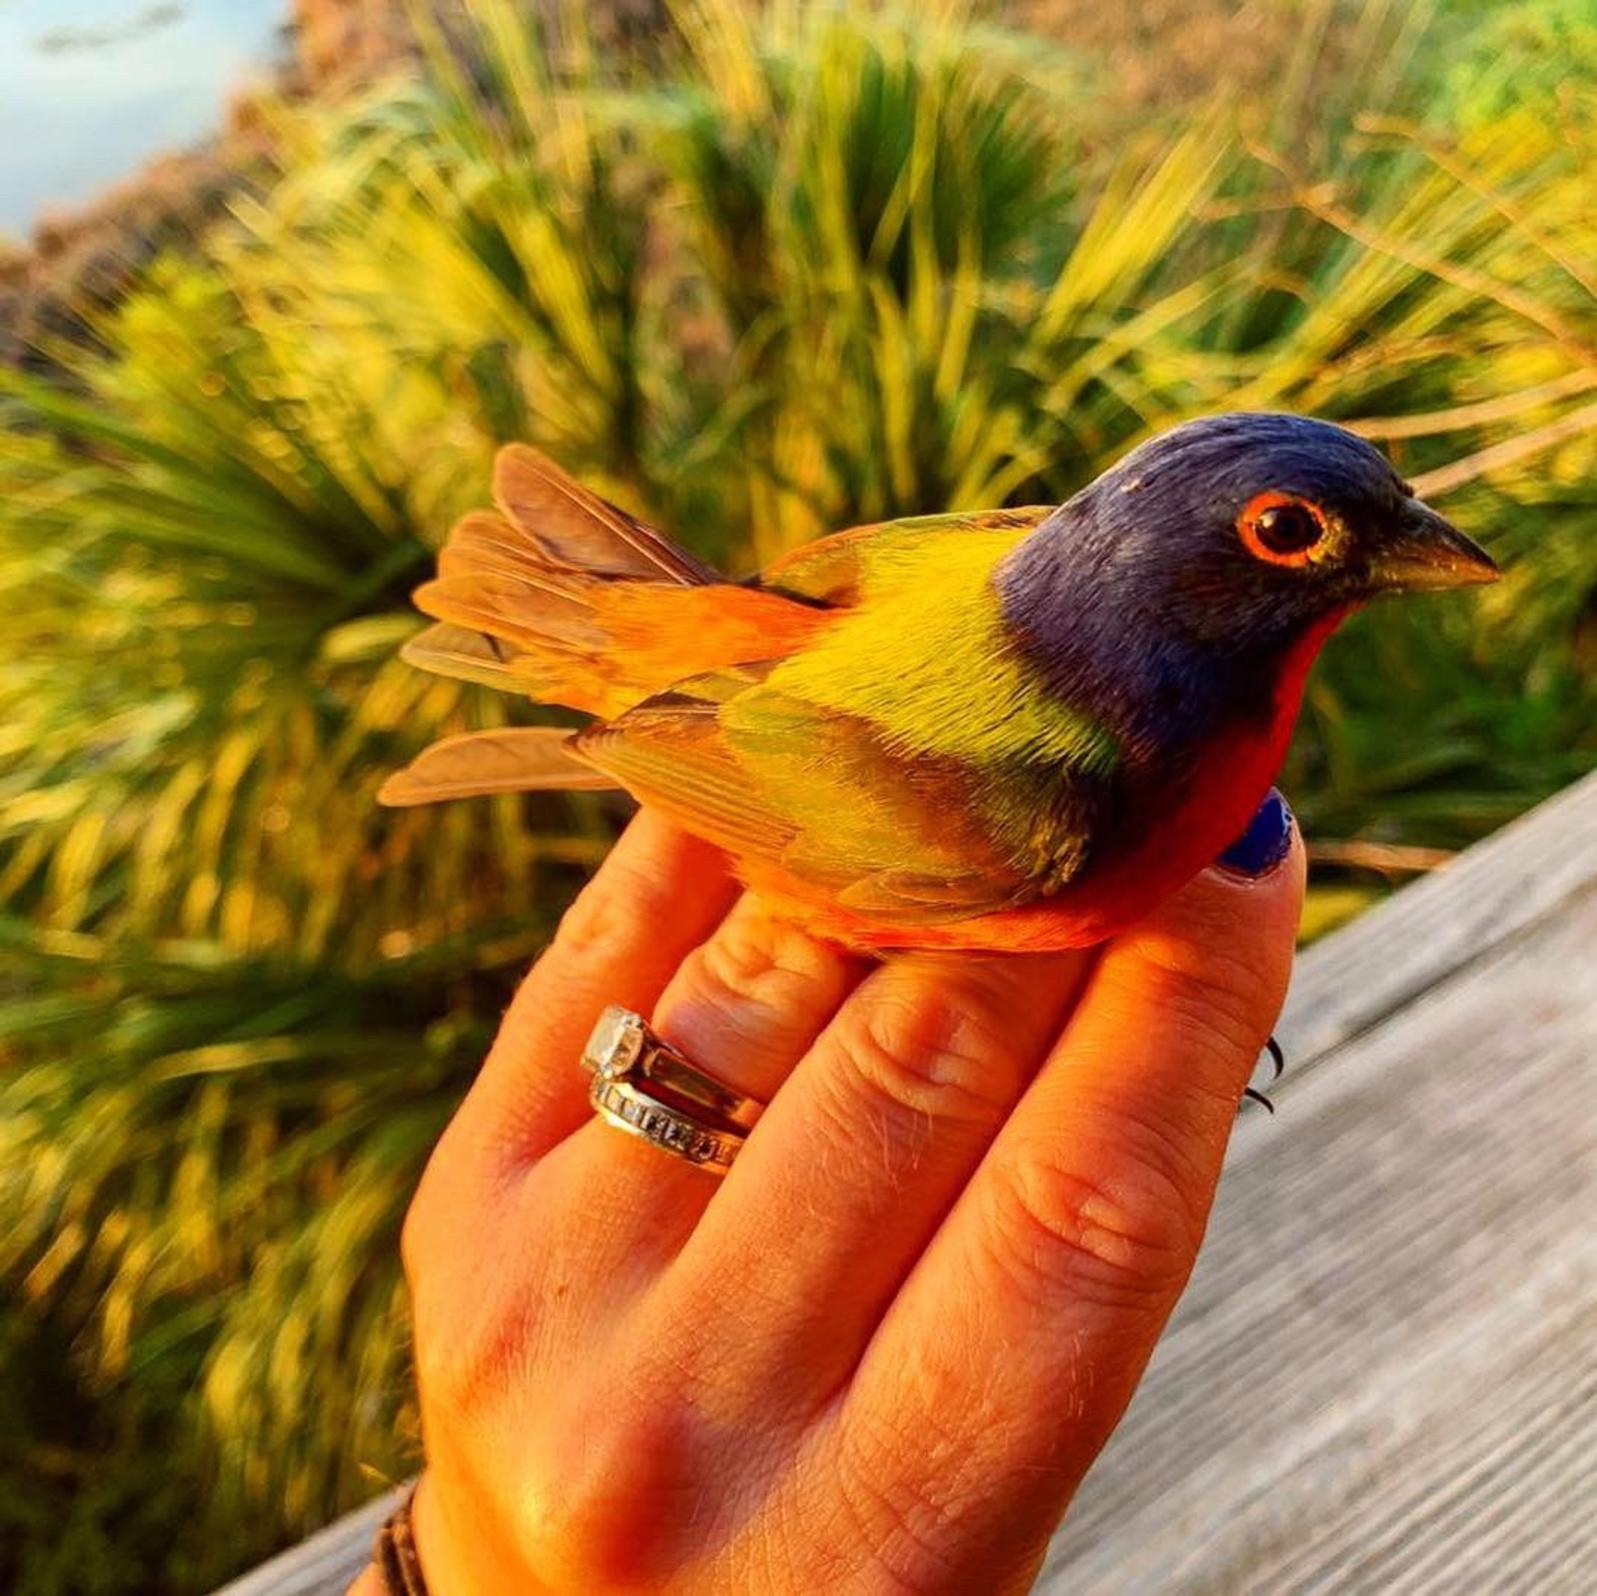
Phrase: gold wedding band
(644, 1085)
(624, 1046)
(629, 1108)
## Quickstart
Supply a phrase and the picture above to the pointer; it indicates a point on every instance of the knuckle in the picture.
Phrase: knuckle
(759, 968)
(447, 1383)
(460, 1363)
(904, 1525)
(633, 1472)
(472, 1325)
(1214, 993)
(929, 1054)
(1126, 1243)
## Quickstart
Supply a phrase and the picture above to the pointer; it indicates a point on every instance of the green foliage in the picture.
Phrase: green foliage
(805, 268)
(1507, 57)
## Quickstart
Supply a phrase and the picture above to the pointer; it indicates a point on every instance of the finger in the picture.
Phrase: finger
(1010, 1354)
(745, 1007)
(749, 1003)
(853, 1166)
(658, 894)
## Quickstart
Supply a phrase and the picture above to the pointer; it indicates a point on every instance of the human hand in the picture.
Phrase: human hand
(882, 1353)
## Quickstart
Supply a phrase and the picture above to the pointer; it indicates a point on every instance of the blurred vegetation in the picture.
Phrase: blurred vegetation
(764, 275)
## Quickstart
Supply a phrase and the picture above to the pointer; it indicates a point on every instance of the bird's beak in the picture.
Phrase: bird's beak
(1425, 550)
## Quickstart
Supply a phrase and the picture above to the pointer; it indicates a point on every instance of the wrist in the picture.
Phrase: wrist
(462, 1553)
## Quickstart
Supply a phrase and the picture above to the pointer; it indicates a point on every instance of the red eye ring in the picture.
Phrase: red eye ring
(1281, 528)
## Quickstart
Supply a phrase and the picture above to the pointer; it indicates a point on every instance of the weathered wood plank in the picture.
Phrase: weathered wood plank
(1381, 1378)
(1420, 935)
(325, 1564)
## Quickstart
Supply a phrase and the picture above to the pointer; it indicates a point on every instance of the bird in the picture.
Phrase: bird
(1013, 730)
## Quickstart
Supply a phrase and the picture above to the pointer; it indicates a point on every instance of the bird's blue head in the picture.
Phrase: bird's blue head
(1224, 540)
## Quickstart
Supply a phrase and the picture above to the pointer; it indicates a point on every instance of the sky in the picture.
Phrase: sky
(90, 88)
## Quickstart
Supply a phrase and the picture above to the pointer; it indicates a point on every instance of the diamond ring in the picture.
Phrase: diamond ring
(644, 1085)
(624, 1046)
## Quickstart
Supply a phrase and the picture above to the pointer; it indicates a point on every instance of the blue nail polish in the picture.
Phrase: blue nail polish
(1265, 843)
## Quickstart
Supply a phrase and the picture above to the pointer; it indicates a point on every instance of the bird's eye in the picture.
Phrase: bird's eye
(1282, 529)
(1287, 528)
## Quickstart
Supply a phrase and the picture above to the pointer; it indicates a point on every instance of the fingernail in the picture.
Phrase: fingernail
(1265, 843)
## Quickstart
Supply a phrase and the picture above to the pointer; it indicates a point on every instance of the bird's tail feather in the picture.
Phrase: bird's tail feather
(567, 599)
(579, 531)
(522, 594)
(477, 764)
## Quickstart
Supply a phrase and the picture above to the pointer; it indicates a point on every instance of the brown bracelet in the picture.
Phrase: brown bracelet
(394, 1554)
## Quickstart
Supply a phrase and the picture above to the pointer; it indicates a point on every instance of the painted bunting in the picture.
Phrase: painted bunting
(1012, 729)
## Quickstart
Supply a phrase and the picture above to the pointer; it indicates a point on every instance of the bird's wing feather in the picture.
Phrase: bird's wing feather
(788, 783)
(901, 760)
(669, 751)
(910, 899)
